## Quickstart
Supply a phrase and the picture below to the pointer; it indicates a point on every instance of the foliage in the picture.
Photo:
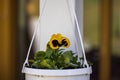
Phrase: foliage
(56, 56)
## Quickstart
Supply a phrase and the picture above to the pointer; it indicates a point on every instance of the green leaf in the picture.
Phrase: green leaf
(49, 52)
(36, 64)
(31, 61)
(74, 60)
(46, 64)
(67, 56)
(39, 55)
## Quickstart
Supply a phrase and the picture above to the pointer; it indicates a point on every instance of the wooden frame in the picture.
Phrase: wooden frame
(8, 39)
(105, 39)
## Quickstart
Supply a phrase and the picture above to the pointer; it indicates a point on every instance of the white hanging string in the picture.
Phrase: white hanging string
(35, 31)
(77, 47)
(79, 32)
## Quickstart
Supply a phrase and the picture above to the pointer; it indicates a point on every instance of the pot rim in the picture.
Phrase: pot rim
(64, 72)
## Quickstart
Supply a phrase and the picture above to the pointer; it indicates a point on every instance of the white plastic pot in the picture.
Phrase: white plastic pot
(67, 74)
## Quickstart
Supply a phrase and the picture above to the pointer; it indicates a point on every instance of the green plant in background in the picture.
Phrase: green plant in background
(56, 56)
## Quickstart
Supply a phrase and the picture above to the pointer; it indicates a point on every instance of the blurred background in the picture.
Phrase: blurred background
(101, 36)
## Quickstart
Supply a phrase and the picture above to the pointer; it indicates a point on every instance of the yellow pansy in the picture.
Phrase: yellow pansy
(65, 42)
(54, 41)
(57, 40)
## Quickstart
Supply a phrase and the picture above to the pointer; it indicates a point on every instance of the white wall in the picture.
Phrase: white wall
(79, 11)
(57, 19)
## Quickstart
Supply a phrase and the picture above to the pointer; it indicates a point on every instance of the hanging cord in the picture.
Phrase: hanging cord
(79, 33)
(78, 59)
(33, 37)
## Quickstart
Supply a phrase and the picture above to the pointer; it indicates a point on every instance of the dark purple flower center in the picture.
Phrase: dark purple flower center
(64, 42)
(55, 43)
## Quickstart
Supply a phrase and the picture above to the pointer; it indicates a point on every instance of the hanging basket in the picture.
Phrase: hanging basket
(64, 74)
(68, 74)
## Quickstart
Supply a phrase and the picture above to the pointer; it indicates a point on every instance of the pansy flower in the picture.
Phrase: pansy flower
(57, 40)
(65, 42)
